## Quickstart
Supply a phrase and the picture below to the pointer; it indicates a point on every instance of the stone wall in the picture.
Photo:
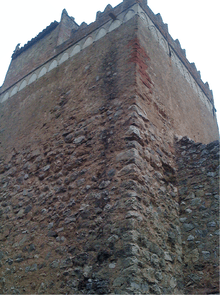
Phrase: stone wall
(86, 187)
(198, 178)
(32, 55)
(27, 65)
(89, 193)
(179, 101)
(66, 27)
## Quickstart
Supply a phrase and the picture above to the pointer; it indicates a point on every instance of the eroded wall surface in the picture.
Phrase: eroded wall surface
(198, 178)
(83, 191)
(180, 100)
(33, 57)
(89, 180)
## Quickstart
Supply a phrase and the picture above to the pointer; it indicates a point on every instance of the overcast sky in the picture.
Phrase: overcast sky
(194, 22)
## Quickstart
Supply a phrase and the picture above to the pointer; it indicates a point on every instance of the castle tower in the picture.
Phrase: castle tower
(109, 158)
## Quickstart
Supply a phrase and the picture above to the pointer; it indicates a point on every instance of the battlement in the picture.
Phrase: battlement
(40, 36)
(57, 39)
(108, 162)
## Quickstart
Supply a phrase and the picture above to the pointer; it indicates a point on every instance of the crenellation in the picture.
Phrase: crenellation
(159, 18)
(30, 43)
(67, 26)
(177, 47)
(108, 9)
(85, 29)
(99, 195)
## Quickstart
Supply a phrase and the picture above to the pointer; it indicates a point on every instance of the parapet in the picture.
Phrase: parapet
(67, 33)
(40, 36)
(176, 46)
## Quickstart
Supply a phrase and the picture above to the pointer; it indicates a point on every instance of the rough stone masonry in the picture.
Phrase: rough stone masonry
(109, 162)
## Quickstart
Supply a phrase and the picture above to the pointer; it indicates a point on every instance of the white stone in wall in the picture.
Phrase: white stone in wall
(5, 97)
(180, 67)
(14, 91)
(142, 15)
(32, 78)
(52, 65)
(75, 50)
(115, 24)
(188, 78)
(202, 97)
(64, 57)
(150, 23)
(163, 43)
(101, 33)
(88, 42)
(144, 18)
(205, 100)
(23, 85)
(177, 62)
(185, 72)
(129, 15)
(42, 72)
(173, 57)
(154, 32)
(195, 86)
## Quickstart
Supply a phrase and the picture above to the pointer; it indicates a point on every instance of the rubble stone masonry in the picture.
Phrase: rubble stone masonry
(198, 179)
(101, 189)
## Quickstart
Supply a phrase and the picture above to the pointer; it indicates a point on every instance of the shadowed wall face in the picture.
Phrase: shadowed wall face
(198, 176)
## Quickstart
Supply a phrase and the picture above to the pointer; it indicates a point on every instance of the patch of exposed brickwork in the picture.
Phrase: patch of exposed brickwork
(139, 57)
